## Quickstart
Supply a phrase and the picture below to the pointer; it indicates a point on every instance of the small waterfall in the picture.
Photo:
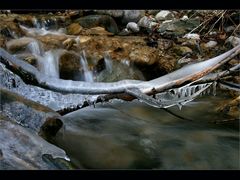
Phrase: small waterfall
(48, 64)
(88, 75)
(47, 61)
(108, 62)
(42, 31)
(35, 48)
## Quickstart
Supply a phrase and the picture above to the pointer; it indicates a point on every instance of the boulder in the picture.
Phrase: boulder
(164, 15)
(98, 20)
(74, 29)
(177, 28)
(17, 45)
(132, 26)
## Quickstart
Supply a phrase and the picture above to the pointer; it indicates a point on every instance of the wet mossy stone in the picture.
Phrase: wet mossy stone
(98, 20)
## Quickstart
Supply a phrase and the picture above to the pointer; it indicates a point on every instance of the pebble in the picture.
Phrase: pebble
(233, 40)
(210, 44)
(184, 18)
(192, 36)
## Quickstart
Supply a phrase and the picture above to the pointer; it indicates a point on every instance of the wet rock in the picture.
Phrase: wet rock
(132, 16)
(9, 29)
(210, 44)
(20, 44)
(22, 148)
(164, 15)
(113, 13)
(98, 31)
(234, 41)
(68, 43)
(132, 26)
(182, 50)
(74, 29)
(119, 70)
(99, 20)
(31, 59)
(27, 113)
(177, 28)
(2, 41)
(231, 107)
(167, 63)
(51, 41)
(69, 65)
(147, 22)
(143, 56)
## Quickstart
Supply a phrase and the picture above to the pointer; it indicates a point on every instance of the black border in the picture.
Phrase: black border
(117, 4)
(144, 174)
(59, 5)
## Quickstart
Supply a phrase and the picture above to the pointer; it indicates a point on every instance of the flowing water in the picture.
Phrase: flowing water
(87, 74)
(133, 135)
(130, 135)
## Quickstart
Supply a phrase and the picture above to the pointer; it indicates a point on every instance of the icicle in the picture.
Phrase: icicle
(214, 86)
(179, 106)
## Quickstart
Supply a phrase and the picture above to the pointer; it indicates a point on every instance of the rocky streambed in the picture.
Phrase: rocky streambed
(108, 46)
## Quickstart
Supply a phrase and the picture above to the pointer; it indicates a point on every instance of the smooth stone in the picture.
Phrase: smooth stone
(132, 26)
(164, 15)
(98, 20)
(210, 44)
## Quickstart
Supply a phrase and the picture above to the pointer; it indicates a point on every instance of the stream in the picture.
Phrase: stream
(133, 135)
(116, 134)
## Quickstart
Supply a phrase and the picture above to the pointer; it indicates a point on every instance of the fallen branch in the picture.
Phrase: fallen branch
(186, 74)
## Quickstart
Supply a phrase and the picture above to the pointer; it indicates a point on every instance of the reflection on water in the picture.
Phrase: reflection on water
(134, 135)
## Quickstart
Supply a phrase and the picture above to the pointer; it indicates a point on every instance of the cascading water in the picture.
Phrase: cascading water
(48, 64)
(35, 48)
(47, 61)
(108, 62)
(87, 74)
